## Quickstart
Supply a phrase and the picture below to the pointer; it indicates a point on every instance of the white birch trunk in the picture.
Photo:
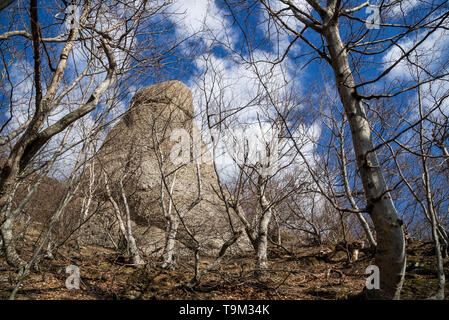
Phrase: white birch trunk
(170, 241)
(359, 215)
(262, 236)
(125, 230)
(132, 244)
(390, 254)
(12, 257)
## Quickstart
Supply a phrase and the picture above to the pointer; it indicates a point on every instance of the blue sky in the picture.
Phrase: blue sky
(219, 41)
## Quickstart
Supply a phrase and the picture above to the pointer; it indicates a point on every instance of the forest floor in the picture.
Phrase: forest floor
(105, 274)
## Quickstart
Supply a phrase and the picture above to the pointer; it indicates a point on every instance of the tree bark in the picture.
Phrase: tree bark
(12, 257)
(262, 236)
(170, 241)
(439, 295)
(351, 199)
(390, 254)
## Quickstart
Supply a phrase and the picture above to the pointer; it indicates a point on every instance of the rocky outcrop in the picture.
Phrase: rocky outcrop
(151, 129)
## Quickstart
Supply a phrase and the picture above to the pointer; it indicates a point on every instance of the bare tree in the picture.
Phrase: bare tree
(340, 38)
(173, 214)
(105, 41)
(425, 188)
(82, 63)
(72, 186)
(248, 191)
(125, 226)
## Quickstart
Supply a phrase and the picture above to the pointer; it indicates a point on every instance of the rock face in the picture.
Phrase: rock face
(147, 136)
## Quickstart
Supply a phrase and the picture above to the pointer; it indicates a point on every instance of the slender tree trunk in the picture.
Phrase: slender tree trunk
(86, 205)
(198, 274)
(173, 223)
(261, 254)
(444, 239)
(6, 233)
(125, 229)
(49, 249)
(262, 236)
(354, 205)
(12, 257)
(277, 230)
(170, 241)
(390, 253)
(367, 230)
(135, 256)
(130, 241)
(440, 263)
(258, 238)
(431, 209)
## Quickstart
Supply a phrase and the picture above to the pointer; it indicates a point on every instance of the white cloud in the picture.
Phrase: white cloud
(200, 17)
(431, 55)
(432, 52)
(234, 91)
(399, 8)
(23, 95)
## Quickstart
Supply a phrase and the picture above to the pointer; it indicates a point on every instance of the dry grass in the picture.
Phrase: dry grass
(106, 275)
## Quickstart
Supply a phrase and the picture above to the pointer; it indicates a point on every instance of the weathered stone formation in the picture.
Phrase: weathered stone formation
(157, 115)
